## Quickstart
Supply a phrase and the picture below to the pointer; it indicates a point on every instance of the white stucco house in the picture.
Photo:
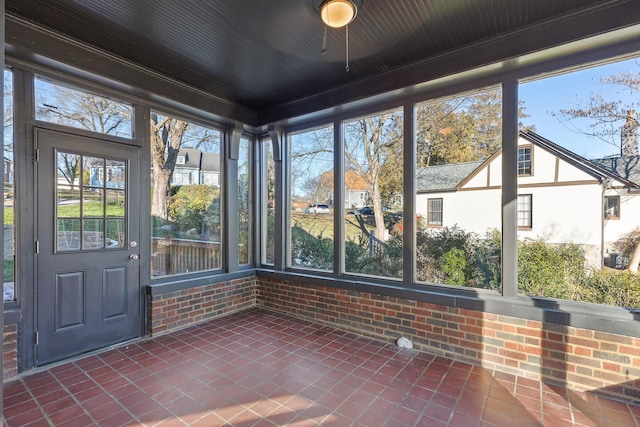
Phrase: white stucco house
(562, 197)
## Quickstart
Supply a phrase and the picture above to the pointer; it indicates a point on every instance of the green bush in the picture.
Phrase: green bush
(311, 251)
(196, 208)
(453, 256)
(612, 287)
(552, 271)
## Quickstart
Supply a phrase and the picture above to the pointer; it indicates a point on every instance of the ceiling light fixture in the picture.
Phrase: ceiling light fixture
(338, 14)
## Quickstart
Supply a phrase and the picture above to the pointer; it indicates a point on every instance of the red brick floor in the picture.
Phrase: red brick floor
(258, 368)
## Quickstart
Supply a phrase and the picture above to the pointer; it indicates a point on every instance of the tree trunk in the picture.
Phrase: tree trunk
(161, 193)
(635, 259)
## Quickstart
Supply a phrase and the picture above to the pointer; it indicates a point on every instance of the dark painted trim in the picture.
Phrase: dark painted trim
(41, 46)
(503, 52)
(179, 285)
(12, 316)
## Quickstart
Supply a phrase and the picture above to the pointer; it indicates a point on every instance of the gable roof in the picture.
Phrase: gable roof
(191, 158)
(210, 162)
(624, 169)
(594, 168)
(624, 166)
(443, 177)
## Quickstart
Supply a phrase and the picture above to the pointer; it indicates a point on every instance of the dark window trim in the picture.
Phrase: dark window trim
(618, 206)
(530, 226)
(433, 224)
(530, 161)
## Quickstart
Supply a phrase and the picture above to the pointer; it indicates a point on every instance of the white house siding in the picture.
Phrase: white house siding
(567, 214)
(629, 216)
(473, 211)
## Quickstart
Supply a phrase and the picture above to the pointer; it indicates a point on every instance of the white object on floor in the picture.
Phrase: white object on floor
(404, 342)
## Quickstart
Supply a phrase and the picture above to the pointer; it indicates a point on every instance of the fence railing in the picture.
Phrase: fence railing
(177, 256)
(377, 247)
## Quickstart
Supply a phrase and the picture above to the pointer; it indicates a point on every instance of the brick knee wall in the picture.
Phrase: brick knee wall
(10, 351)
(177, 309)
(579, 359)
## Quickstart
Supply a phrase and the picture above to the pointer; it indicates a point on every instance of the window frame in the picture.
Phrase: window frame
(528, 161)
(617, 208)
(430, 211)
(528, 212)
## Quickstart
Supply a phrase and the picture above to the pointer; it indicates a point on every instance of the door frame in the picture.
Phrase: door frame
(46, 149)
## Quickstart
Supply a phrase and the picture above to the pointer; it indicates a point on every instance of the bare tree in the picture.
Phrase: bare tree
(368, 145)
(166, 139)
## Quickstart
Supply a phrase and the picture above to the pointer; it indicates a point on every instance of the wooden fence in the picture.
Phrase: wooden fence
(177, 256)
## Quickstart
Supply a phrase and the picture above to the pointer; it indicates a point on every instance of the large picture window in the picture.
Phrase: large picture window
(373, 160)
(458, 147)
(311, 203)
(185, 197)
(583, 128)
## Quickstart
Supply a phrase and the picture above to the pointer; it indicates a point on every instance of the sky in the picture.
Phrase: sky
(545, 96)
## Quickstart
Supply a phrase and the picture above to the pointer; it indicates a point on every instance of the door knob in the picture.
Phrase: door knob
(134, 257)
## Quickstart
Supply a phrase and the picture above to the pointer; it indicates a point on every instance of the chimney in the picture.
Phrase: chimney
(629, 136)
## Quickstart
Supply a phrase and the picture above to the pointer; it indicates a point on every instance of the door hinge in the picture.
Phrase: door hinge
(37, 337)
(37, 246)
(36, 151)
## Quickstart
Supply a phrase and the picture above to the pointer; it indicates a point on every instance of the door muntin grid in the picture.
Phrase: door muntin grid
(91, 202)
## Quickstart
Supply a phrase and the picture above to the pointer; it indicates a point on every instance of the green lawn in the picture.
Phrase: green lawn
(316, 224)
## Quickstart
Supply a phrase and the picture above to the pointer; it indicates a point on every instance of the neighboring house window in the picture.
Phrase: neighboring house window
(525, 160)
(181, 160)
(525, 219)
(434, 212)
(612, 207)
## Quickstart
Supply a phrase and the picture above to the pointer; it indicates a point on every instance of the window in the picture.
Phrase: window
(457, 138)
(582, 117)
(524, 161)
(268, 182)
(186, 229)
(181, 160)
(434, 212)
(9, 282)
(373, 242)
(524, 211)
(56, 103)
(311, 181)
(612, 207)
(244, 194)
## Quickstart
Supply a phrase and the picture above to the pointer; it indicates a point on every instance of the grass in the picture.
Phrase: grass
(322, 224)
(8, 270)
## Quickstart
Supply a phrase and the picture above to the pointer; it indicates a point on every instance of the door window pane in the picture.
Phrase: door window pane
(185, 207)
(312, 207)
(81, 205)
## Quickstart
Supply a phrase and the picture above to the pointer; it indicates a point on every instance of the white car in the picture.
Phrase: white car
(318, 209)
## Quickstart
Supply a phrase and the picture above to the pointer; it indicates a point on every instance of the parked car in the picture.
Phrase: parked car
(318, 209)
(365, 210)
